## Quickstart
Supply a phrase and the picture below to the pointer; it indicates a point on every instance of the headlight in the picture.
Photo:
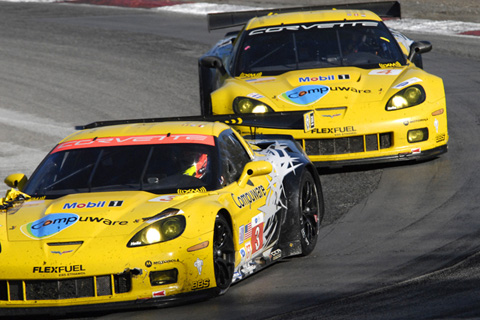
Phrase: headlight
(406, 98)
(162, 230)
(248, 105)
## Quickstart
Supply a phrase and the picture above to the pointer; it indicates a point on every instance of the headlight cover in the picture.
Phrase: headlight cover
(245, 105)
(162, 228)
(406, 98)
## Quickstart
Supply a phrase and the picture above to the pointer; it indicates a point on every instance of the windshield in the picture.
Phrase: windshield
(275, 50)
(163, 168)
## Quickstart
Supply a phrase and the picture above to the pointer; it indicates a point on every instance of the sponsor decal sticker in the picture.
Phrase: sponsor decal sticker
(249, 197)
(350, 89)
(158, 294)
(260, 80)
(243, 253)
(390, 65)
(324, 78)
(248, 250)
(276, 254)
(250, 75)
(407, 83)
(201, 284)
(257, 232)
(149, 263)
(305, 95)
(386, 72)
(312, 26)
(241, 233)
(135, 140)
(337, 130)
(164, 198)
(255, 95)
(199, 265)
(49, 225)
(440, 138)
(308, 121)
(315, 79)
(59, 269)
(248, 230)
(187, 191)
(99, 204)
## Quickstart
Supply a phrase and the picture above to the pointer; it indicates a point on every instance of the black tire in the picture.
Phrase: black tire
(223, 254)
(310, 210)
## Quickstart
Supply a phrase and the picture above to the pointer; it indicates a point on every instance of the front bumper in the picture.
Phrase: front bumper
(109, 277)
(178, 299)
(339, 140)
(412, 156)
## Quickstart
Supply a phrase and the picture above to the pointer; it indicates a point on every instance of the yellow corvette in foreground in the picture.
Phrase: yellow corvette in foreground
(364, 97)
(140, 214)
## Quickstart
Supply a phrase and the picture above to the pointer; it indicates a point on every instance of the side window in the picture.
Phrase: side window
(233, 156)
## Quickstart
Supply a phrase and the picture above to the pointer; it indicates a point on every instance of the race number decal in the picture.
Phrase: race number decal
(257, 233)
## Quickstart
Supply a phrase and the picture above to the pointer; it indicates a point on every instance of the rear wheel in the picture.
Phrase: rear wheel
(223, 254)
(310, 212)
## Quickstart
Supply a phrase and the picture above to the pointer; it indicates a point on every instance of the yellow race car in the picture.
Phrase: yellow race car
(361, 85)
(135, 213)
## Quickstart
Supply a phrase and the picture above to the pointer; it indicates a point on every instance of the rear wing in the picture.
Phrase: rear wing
(296, 120)
(385, 10)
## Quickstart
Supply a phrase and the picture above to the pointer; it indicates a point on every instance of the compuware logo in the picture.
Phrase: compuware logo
(49, 225)
(305, 95)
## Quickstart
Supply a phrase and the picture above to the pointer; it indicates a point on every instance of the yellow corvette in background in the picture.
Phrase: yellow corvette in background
(149, 213)
(365, 96)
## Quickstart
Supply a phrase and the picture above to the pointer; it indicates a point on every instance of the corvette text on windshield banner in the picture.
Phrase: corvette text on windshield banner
(135, 140)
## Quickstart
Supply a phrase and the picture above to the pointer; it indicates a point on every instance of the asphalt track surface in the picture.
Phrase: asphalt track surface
(399, 242)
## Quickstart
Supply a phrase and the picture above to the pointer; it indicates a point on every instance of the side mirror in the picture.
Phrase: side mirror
(213, 62)
(16, 180)
(419, 47)
(253, 169)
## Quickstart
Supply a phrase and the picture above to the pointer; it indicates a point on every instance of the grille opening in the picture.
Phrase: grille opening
(14, 290)
(352, 144)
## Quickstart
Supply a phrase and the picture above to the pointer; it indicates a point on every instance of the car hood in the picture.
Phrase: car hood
(324, 88)
(79, 216)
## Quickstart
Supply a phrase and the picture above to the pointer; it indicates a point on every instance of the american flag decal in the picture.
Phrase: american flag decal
(248, 231)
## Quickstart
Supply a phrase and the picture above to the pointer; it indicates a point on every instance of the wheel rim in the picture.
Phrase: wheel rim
(223, 254)
(309, 207)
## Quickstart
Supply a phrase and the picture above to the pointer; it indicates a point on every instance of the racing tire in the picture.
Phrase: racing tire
(310, 209)
(223, 254)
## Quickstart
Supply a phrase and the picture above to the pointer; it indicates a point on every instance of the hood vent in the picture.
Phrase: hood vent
(70, 243)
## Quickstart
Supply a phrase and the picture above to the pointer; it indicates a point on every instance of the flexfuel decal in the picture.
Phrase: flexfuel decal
(305, 95)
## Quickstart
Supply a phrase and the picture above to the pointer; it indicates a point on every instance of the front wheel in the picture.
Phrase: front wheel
(223, 254)
(310, 210)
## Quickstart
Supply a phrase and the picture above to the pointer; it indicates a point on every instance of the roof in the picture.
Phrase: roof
(384, 9)
(310, 17)
(149, 129)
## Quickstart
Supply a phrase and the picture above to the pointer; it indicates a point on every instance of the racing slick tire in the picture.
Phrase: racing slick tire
(223, 254)
(309, 204)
